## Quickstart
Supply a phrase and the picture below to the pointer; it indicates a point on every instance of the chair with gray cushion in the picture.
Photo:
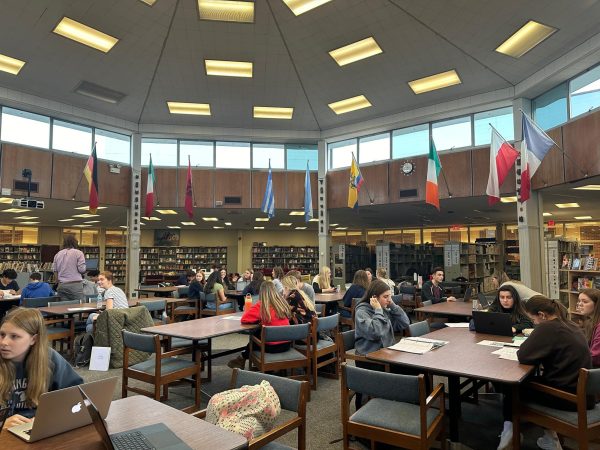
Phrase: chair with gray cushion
(189, 308)
(419, 328)
(582, 425)
(156, 309)
(323, 352)
(292, 395)
(399, 413)
(160, 370)
(320, 309)
(215, 306)
(39, 302)
(292, 359)
(346, 342)
(421, 316)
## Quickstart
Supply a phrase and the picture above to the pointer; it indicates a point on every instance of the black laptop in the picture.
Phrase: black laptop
(493, 323)
(151, 437)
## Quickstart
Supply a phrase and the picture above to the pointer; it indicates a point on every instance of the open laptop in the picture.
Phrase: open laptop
(468, 293)
(483, 300)
(62, 410)
(157, 436)
(493, 323)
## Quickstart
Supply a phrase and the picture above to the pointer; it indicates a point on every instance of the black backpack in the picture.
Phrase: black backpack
(83, 349)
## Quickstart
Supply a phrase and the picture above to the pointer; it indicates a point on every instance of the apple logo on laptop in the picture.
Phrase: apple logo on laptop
(76, 408)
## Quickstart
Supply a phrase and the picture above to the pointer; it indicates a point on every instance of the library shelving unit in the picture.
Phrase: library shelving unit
(560, 254)
(20, 253)
(90, 252)
(406, 259)
(475, 262)
(115, 261)
(160, 263)
(577, 280)
(347, 259)
(512, 259)
(302, 258)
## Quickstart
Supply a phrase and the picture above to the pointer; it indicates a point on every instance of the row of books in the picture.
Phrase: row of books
(585, 263)
(587, 283)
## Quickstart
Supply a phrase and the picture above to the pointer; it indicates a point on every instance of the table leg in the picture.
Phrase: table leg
(454, 403)
(516, 417)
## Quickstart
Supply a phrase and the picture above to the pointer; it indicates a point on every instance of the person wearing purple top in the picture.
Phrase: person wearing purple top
(69, 265)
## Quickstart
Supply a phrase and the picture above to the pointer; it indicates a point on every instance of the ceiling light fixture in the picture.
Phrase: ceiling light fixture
(15, 210)
(173, 227)
(508, 199)
(341, 228)
(272, 112)
(26, 217)
(588, 187)
(350, 104)
(582, 217)
(356, 51)
(85, 216)
(98, 92)
(300, 228)
(527, 37)
(314, 220)
(27, 223)
(188, 223)
(6, 200)
(210, 219)
(546, 214)
(259, 228)
(196, 109)
(333, 224)
(148, 2)
(66, 220)
(301, 6)
(218, 228)
(150, 219)
(433, 82)
(285, 224)
(10, 65)
(85, 35)
(93, 221)
(166, 212)
(81, 226)
(123, 226)
(228, 68)
(262, 219)
(292, 213)
(86, 208)
(567, 205)
(228, 224)
(226, 10)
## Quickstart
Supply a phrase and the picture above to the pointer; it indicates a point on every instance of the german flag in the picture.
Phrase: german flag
(91, 173)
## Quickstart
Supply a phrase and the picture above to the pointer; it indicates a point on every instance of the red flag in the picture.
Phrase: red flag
(189, 192)
(502, 158)
(91, 173)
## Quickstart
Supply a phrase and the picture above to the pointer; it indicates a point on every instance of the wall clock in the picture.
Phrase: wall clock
(408, 168)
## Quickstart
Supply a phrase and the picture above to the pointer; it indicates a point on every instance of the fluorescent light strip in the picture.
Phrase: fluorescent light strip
(85, 216)
(272, 112)
(527, 37)
(66, 220)
(582, 217)
(285, 224)
(300, 228)
(166, 211)
(259, 228)
(262, 219)
(15, 210)
(588, 187)
(173, 227)
(546, 214)
(28, 223)
(226, 10)
(151, 218)
(196, 109)
(26, 217)
(356, 51)
(228, 68)
(92, 221)
(10, 65)
(508, 199)
(218, 228)
(350, 104)
(301, 6)
(296, 213)
(6, 200)
(314, 220)
(148, 2)
(85, 208)
(567, 205)
(188, 223)
(85, 35)
(433, 82)
(210, 219)
(228, 224)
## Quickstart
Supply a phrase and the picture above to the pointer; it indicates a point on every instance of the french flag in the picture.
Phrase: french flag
(536, 145)
(502, 158)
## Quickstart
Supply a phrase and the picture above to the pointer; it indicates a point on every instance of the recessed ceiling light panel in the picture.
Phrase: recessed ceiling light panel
(508, 199)
(166, 211)
(85, 35)
(10, 65)
(301, 6)
(434, 82)
(526, 38)
(356, 51)
(567, 205)
(228, 68)
(272, 112)
(196, 109)
(588, 187)
(226, 10)
(350, 104)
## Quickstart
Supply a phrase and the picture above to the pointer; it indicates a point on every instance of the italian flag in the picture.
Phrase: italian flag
(150, 190)
(433, 170)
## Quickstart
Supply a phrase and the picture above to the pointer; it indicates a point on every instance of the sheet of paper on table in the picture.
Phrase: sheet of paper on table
(83, 308)
(457, 325)
(237, 318)
(507, 353)
(410, 346)
(436, 342)
(492, 343)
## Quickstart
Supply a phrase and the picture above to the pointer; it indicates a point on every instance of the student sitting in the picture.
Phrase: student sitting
(214, 285)
(227, 283)
(8, 283)
(560, 347)
(113, 296)
(277, 276)
(360, 283)
(90, 284)
(254, 287)
(433, 290)
(508, 301)
(36, 287)
(382, 275)
(322, 282)
(304, 287)
(186, 278)
(29, 367)
(271, 310)
(303, 310)
(197, 286)
(587, 305)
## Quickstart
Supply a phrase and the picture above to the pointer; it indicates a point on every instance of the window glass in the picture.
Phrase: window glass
(453, 133)
(233, 155)
(411, 141)
(411, 236)
(26, 235)
(482, 232)
(436, 236)
(340, 153)
(6, 233)
(25, 128)
(297, 155)
(374, 148)
(550, 108)
(113, 146)
(458, 233)
(511, 232)
(501, 119)
(115, 238)
(201, 153)
(261, 153)
(90, 237)
(71, 137)
(163, 151)
(584, 92)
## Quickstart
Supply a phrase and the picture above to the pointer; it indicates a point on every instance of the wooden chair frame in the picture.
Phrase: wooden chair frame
(67, 336)
(343, 355)
(218, 302)
(315, 353)
(349, 321)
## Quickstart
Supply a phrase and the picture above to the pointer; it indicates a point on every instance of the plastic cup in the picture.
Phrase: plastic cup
(475, 305)
(247, 302)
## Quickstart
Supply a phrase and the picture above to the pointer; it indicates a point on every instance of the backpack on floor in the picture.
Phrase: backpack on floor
(83, 349)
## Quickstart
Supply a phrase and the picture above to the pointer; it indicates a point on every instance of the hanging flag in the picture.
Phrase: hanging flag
(433, 171)
(502, 158)
(356, 181)
(189, 192)
(308, 210)
(536, 144)
(150, 190)
(268, 203)
(91, 173)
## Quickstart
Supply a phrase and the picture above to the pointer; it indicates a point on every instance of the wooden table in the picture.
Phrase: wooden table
(237, 296)
(158, 290)
(332, 297)
(447, 309)
(463, 357)
(134, 412)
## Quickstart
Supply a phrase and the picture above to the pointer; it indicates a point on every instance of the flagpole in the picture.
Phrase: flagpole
(82, 172)
(371, 200)
(585, 174)
(191, 177)
(154, 186)
(445, 181)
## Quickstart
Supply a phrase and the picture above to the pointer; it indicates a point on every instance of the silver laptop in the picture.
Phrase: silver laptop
(63, 410)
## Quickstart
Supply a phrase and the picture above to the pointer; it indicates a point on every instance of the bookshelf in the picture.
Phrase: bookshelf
(512, 259)
(90, 252)
(577, 280)
(155, 262)
(22, 258)
(475, 262)
(406, 259)
(347, 259)
(559, 254)
(115, 261)
(303, 258)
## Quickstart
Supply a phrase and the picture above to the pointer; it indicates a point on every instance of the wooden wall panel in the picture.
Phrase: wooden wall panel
(398, 181)
(458, 174)
(165, 187)
(580, 142)
(480, 171)
(376, 181)
(295, 190)
(203, 181)
(552, 170)
(114, 188)
(66, 173)
(259, 183)
(15, 158)
(233, 183)
(337, 188)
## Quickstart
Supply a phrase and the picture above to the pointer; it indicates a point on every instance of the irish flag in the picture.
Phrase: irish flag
(150, 190)
(502, 158)
(433, 170)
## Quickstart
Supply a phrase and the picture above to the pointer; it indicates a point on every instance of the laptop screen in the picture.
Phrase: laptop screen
(97, 420)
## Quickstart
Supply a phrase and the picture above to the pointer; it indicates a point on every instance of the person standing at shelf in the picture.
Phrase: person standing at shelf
(69, 266)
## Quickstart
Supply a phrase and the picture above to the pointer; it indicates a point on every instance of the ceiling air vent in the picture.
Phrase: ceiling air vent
(99, 92)
(232, 200)
(404, 193)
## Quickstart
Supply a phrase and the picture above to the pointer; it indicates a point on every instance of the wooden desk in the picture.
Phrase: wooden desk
(81, 308)
(463, 357)
(447, 309)
(333, 297)
(158, 290)
(134, 412)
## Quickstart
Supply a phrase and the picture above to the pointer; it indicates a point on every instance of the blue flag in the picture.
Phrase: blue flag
(268, 203)
(308, 210)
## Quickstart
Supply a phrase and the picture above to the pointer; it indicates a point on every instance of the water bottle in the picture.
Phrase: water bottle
(99, 301)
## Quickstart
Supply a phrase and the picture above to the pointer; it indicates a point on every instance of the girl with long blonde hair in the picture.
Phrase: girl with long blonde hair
(322, 282)
(28, 366)
(303, 309)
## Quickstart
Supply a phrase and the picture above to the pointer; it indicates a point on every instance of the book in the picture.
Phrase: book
(410, 346)
(576, 264)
